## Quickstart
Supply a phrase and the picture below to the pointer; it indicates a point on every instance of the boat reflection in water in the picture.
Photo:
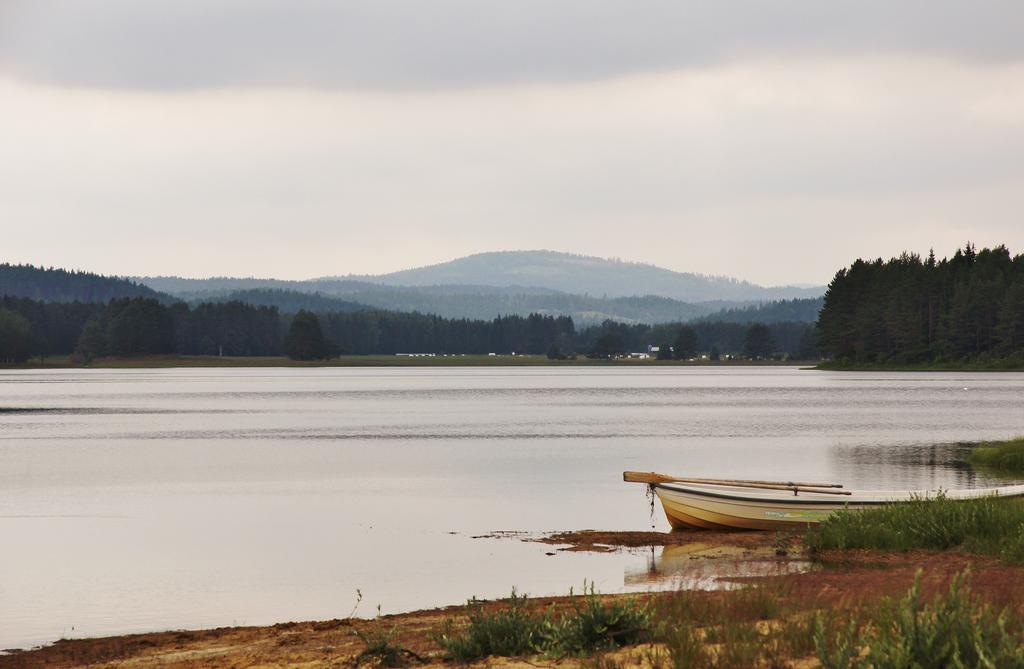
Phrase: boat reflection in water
(702, 566)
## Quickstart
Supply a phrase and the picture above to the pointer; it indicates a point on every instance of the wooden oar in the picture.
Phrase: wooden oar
(654, 477)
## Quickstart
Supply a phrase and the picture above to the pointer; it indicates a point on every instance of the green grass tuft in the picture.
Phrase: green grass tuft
(990, 525)
(1002, 458)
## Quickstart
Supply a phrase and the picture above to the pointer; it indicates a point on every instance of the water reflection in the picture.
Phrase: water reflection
(912, 466)
(703, 566)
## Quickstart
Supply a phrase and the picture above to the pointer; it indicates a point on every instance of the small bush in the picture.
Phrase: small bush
(510, 631)
(593, 624)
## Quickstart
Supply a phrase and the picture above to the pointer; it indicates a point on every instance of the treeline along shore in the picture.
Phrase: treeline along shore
(84, 316)
(963, 312)
(140, 326)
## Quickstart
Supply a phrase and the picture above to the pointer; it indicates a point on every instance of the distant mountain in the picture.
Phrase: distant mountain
(585, 275)
(471, 301)
(59, 285)
(512, 282)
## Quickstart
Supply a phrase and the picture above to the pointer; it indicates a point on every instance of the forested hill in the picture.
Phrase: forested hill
(59, 285)
(911, 310)
(586, 275)
(779, 311)
(473, 302)
(285, 301)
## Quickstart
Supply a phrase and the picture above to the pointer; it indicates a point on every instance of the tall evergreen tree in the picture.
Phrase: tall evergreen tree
(92, 343)
(608, 345)
(1010, 332)
(759, 343)
(15, 337)
(685, 346)
(305, 340)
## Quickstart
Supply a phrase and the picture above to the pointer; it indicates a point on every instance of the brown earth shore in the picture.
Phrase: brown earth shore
(847, 579)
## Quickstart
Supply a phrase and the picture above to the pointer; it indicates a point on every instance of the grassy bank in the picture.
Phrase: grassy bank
(988, 526)
(167, 361)
(1014, 364)
(1000, 458)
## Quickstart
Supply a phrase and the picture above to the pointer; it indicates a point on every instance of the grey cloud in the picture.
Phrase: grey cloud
(391, 44)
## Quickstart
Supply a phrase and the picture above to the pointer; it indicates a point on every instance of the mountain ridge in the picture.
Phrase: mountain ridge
(482, 286)
(583, 275)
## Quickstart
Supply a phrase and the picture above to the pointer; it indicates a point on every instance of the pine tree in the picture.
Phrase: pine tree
(1010, 331)
(759, 343)
(305, 340)
(15, 337)
(92, 343)
(685, 346)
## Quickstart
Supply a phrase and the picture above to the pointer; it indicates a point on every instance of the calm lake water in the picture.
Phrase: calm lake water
(149, 499)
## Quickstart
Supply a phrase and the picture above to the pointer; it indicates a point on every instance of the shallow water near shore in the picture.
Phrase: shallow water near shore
(150, 499)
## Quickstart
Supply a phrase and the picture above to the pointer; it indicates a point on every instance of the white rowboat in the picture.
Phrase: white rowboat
(760, 505)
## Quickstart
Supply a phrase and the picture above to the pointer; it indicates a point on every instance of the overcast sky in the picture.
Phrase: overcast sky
(772, 141)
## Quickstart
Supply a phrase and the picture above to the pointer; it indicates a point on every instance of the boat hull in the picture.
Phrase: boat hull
(701, 510)
(708, 507)
(719, 506)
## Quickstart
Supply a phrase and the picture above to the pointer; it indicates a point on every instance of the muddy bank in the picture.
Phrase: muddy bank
(848, 579)
(605, 541)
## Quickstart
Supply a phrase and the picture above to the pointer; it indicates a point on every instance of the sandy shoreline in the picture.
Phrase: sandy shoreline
(847, 577)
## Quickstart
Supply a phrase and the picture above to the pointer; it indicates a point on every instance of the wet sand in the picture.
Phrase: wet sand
(847, 578)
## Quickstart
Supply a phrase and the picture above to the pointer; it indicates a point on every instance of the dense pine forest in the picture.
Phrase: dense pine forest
(909, 310)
